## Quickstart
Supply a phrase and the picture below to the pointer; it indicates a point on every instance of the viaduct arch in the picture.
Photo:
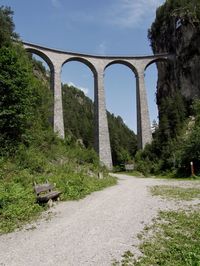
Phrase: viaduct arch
(56, 59)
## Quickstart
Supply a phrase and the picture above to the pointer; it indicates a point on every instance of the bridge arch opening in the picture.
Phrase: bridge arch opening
(78, 100)
(83, 61)
(43, 69)
(157, 61)
(120, 91)
(40, 56)
(123, 63)
(151, 81)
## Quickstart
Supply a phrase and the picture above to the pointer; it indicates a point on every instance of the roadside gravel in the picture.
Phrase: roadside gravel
(92, 231)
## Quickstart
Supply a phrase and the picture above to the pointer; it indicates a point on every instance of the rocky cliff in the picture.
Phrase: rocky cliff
(177, 30)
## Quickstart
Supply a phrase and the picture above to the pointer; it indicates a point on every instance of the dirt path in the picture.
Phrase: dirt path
(92, 231)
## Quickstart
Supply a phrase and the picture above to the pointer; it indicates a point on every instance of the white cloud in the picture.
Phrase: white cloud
(71, 84)
(118, 13)
(85, 90)
(56, 3)
(132, 13)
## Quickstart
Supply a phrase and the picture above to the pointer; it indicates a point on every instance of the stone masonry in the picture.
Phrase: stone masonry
(56, 59)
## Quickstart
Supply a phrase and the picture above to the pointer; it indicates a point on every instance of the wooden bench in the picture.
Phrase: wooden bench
(45, 192)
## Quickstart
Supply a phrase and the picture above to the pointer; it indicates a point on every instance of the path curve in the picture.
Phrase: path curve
(92, 231)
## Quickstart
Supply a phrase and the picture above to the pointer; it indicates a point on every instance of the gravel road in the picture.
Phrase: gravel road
(92, 231)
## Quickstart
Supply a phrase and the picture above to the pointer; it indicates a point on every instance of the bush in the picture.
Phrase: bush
(17, 205)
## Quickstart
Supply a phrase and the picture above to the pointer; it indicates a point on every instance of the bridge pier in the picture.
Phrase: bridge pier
(102, 139)
(58, 122)
(144, 134)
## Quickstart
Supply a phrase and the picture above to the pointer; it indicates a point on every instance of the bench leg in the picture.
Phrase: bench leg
(50, 203)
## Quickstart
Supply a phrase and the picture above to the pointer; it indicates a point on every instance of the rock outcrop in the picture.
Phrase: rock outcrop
(177, 30)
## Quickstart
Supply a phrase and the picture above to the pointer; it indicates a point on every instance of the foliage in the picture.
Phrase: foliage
(168, 153)
(123, 140)
(17, 204)
(159, 156)
(39, 67)
(21, 98)
(78, 115)
(168, 14)
(190, 149)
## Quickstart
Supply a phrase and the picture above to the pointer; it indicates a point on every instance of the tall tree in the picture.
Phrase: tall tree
(6, 26)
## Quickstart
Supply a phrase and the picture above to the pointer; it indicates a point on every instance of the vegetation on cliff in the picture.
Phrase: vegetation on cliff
(169, 17)
(175, 30)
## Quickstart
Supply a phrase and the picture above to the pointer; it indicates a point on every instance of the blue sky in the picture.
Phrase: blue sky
(104, 27)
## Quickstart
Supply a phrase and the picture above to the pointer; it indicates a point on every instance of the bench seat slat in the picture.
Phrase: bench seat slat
(48, 196)
(45, 192)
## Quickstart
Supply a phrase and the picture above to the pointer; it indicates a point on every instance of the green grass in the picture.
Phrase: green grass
(176, 193)
(173, 238)
(72, 169)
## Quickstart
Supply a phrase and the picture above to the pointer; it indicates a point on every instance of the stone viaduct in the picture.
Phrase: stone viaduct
(56, 59)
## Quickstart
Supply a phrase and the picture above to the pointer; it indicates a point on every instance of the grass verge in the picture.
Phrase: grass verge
(173, 238)
(131, 173)
(174, 176)
(175, 193)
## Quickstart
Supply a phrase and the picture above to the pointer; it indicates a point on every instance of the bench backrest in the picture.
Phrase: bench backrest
(43, 188)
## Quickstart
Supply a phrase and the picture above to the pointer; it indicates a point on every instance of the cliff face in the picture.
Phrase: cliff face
(177, 30)
(188, 59)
